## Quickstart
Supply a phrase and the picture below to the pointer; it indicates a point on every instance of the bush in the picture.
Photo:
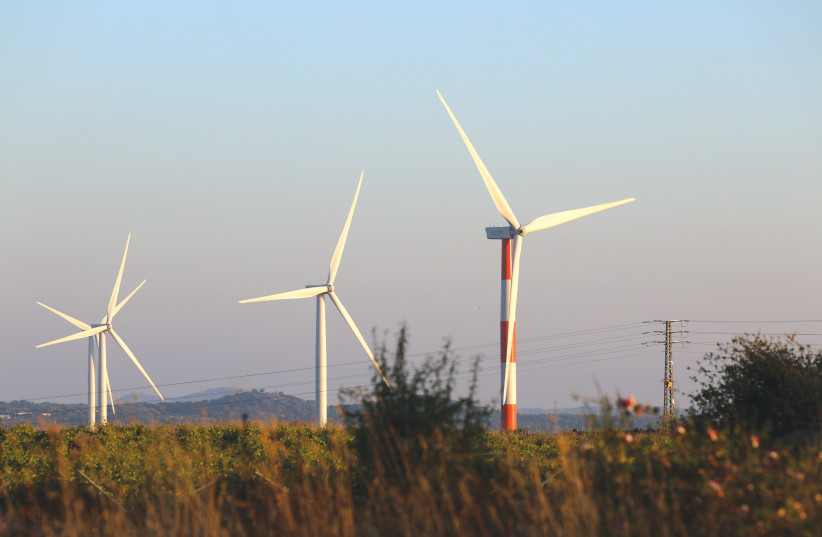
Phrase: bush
(757, 382)
(417, 419)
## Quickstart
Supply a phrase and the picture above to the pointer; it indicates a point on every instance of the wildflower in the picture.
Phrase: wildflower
(717, 487)
(744, 508)
(628, 438)
(680, 429)
(713, 434)
(798, 475)
(781, 512)
(628, 403)
(585, 447)
(755, 442)
(773, 455)
(817, 497)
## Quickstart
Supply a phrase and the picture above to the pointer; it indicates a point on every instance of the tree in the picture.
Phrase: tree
(757, 382)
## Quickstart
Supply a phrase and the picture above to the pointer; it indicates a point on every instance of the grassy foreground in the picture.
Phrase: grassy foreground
(300, 480)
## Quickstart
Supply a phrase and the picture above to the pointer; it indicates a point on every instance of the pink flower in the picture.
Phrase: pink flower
(628, 403)
(717, 488)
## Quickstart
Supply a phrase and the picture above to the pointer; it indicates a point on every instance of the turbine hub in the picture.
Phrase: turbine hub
(108, 326)
(330, 288)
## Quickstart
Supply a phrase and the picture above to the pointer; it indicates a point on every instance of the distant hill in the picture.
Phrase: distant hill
(209, 406)
(211, 393)
(256, 405)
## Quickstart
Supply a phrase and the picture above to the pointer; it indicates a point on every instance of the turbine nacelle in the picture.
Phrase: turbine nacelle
(328, 288)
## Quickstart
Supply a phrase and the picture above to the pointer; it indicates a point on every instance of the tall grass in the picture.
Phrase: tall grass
(279, 479)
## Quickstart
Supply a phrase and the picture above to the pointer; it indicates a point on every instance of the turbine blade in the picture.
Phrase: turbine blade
(79, 324)
(338, 251)
(113, 301)
(134, 359)
(551, 220)
(123, 303)
(110, 397)
(299, 293)
(78, 335)
(512, 312)
(354, 329)
(493, 189)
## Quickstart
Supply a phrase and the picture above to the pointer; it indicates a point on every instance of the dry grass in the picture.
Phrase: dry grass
(300, 480)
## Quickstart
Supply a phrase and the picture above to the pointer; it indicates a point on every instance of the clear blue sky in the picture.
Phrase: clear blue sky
(228, 139)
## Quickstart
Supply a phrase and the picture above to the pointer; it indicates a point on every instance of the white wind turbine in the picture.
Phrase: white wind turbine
(515, 231)
(97, 337)
(320, 291)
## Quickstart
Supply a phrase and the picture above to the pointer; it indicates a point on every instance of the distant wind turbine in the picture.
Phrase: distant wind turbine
(320, 291)
(510, 271)
(97, 335)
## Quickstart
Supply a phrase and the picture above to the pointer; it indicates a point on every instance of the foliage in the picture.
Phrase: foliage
(417, 421)
(299, 480)
(761, 382)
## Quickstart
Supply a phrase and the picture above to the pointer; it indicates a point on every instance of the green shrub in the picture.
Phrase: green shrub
(757, 382)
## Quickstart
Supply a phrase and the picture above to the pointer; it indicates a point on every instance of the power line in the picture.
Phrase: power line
(482, 357)
(357, 362)
(758, 322)
(492, 370)
(589, 343)
(759, 333)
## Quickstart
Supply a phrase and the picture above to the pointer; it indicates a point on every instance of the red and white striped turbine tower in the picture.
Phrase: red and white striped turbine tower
(511, 237)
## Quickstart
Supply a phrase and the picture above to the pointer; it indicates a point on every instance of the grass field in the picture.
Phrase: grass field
(253, 479)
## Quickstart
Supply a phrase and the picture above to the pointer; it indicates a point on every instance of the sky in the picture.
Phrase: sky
(228, 138)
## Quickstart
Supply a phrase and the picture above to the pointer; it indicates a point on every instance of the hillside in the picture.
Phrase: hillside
(255, 405)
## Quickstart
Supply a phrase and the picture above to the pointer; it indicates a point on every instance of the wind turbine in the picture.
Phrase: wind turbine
(320, 291)
(510, 271)
(96, 333)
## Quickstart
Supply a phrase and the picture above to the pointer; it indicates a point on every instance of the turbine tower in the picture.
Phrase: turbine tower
(321, 291)
(99, 387)
(510, 272)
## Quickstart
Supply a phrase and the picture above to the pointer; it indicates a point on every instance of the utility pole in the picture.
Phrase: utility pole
(668, 409)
